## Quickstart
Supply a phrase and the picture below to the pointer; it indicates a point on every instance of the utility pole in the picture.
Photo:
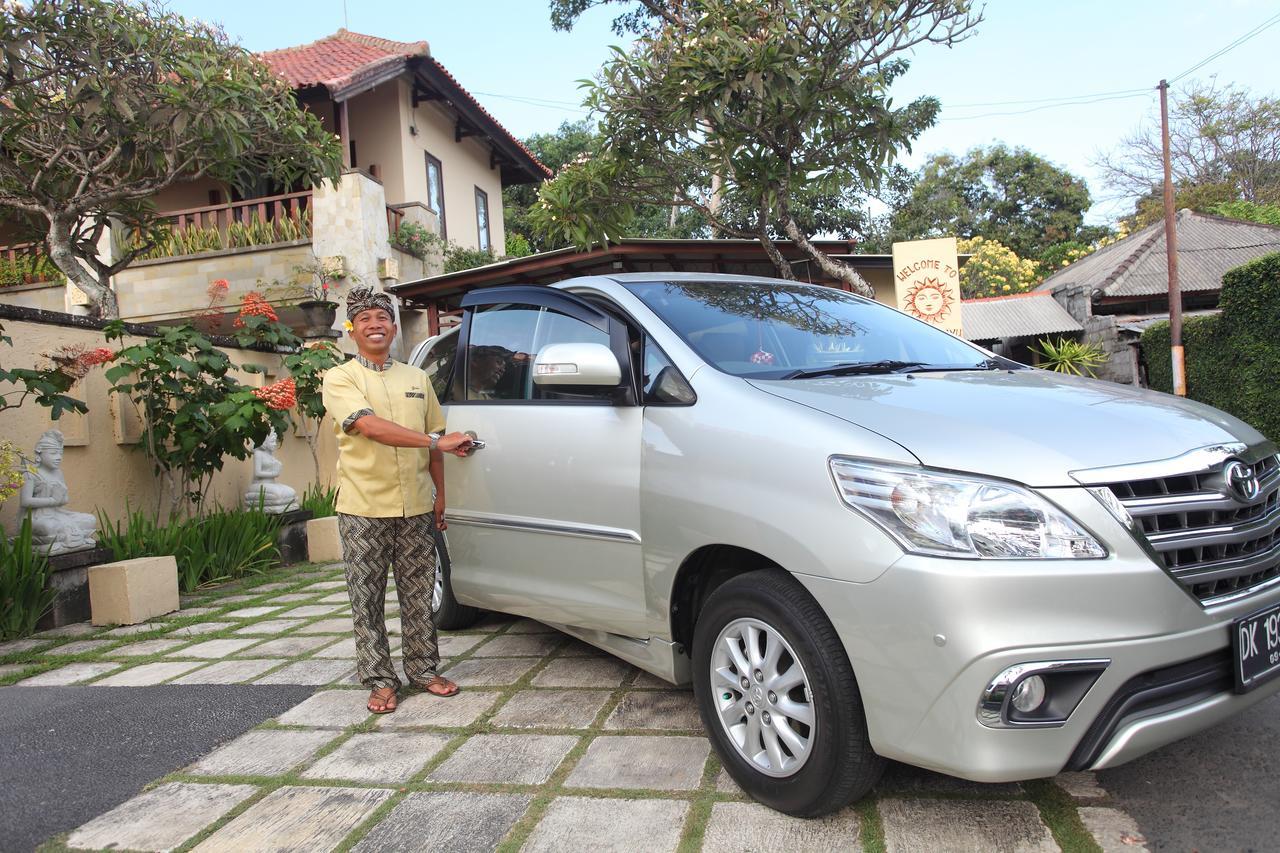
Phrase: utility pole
(1171, 253)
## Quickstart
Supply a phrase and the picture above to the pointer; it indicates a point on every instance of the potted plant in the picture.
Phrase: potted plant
(319, 308)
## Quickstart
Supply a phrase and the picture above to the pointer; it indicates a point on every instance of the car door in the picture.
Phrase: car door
(544, 521)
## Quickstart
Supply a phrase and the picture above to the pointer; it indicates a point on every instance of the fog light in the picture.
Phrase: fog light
(1029, 694)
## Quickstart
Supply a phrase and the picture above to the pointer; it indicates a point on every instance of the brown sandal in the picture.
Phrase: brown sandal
(384, 695)
(438, 685)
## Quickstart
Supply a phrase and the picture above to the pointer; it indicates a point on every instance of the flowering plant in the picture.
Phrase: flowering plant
(13, 468)
(253, 304)
(280, 395)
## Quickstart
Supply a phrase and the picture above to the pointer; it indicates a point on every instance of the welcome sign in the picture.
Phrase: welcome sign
(926, 278)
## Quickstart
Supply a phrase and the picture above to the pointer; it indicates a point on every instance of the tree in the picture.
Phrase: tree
(736, 110)
(1221, 139)
(104, 104)
(1008, 195)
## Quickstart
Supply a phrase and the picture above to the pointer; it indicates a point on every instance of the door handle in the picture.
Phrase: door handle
(476, 443)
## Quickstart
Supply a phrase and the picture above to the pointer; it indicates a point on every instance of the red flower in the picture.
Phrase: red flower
(252, 304)
(279, 395)
(94, 357)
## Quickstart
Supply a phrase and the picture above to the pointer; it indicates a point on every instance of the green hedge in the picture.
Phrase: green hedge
(1233, 359)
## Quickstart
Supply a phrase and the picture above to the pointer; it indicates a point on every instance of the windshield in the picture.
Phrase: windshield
(794, 331)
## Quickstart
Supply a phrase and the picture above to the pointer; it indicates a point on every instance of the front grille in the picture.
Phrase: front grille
(1212, 541)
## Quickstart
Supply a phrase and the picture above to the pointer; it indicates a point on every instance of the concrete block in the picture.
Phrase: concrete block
(457, 821)
(324, 545)
(609, 826)
(133, 591)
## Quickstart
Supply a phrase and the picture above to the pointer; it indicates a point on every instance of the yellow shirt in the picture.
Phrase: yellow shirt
(376, 480)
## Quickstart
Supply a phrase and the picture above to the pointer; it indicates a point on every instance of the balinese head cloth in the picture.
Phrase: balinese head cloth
(364, 298)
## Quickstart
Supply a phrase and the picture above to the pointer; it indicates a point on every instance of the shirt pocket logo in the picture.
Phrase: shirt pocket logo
(417, 395)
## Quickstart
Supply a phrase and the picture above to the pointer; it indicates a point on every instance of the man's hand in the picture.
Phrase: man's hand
(441, 524)
(457, 443)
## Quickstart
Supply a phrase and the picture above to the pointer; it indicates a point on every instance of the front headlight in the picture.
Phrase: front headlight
(949, 515)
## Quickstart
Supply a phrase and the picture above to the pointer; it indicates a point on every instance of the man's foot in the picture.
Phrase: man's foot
(382, 700)
(438, 685)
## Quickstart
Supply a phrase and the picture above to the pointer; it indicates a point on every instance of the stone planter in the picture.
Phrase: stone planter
(319, 315)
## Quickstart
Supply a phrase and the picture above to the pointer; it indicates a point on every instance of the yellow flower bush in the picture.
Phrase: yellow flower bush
(994, 269)
(13, 468)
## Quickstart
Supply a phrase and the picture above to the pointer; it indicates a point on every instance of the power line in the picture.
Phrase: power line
(1043, 100)
(1267, 24)
(1077, 103)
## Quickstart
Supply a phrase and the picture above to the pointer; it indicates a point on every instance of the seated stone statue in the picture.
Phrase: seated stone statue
(54, 529)
(265, 493)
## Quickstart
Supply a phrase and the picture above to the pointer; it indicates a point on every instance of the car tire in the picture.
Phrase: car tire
(449, 615)
(810, 769)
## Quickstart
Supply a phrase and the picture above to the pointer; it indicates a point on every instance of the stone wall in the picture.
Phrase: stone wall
(104, 467)
(42, 297)
(1100, 329)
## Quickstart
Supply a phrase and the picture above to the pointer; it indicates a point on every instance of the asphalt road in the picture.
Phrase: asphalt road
(68, 754)
(1216, 791)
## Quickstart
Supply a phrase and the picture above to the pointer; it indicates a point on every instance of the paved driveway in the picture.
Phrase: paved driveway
(550, 746)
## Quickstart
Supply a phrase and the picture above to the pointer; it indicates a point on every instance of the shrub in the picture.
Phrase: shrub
(24, 577)
(414, 239)
(1232, 359)
(217, 546)
(321, 502)
(458, 258)
(1068, 356)
(29, 269)
(993, 269)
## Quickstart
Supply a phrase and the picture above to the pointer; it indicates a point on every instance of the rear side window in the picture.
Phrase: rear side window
(439, 364)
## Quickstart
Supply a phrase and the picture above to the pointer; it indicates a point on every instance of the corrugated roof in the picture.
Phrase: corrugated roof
(1017, 316)
(1136, 266)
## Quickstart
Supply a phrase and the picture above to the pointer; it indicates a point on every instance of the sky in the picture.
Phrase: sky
(1025, 53)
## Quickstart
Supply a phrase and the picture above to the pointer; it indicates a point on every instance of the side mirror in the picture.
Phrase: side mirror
(672, 387)
(576, 364)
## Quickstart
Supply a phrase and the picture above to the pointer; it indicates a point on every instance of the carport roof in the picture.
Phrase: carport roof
(1018, 316)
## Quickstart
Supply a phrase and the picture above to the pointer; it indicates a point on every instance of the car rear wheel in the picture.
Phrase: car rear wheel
(778, 696)
(449, 614)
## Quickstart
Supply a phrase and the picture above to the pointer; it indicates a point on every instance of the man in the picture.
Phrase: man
(390, 433)
(486, 367)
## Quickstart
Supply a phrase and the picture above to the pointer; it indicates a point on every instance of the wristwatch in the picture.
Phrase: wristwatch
(435, 440)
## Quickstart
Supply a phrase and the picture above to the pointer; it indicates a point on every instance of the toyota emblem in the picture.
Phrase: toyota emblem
(1242, 481)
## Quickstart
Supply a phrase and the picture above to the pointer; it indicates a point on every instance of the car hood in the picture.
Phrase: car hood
(1031, 426)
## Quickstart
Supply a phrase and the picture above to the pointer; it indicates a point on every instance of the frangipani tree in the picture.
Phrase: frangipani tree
(746, 112)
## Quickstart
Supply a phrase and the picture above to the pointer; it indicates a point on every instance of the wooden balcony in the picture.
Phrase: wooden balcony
(27, 263)
(238, 224)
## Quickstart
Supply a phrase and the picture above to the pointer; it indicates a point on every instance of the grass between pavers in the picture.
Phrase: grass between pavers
(1056, 807)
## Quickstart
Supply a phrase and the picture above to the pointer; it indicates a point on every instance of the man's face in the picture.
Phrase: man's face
(487, 370)
(373, 330)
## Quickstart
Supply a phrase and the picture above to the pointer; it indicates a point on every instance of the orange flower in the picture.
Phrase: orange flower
(253, 304)
(279, 395)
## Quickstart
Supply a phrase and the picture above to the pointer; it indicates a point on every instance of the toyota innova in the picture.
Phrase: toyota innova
(858, 537)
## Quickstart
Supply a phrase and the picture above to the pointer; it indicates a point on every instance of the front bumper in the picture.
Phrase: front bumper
(928, 635)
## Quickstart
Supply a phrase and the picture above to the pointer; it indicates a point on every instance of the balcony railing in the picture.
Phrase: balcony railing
(27, 263)
(238, 224)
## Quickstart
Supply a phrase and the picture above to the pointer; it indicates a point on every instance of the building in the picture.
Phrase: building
(417, 148)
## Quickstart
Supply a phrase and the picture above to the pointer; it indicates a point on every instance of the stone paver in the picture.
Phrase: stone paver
(148, 674)
(9, 669)
(1082, 786)
(296, 819)
(649, 681)
(530, 626)
(459, 822)
(383, 758)
(286, 647)
(199, 629)
(393, 625)
(131, 630)
(551, 709)
(517, 759)
(963, 826)
(214, 649)
(735, 827)
(335, 709)
(328, 626)
(236, 599)
(327, 585)
(267, 627)
(901, 777)
(520, 645)
(14, 647)
(308, 611)
(146, 647)
(228, 672)
(423, 709)
(291, 598)
(80, 647)
(160, 819)
(264, 752)
(490, 672)
(70, 674)
(75, 629)
(336, 598)
(250, 612)
(578, 649)
(452, 645)
(643, 761)
(590, 672)
(608, 826)
(1114, 830)
(309, 672)
(272, 587)
(191, 611)
(725, 783)
(652, 709)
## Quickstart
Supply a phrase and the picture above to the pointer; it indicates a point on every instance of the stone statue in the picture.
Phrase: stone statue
(54, 529)
(265, 493)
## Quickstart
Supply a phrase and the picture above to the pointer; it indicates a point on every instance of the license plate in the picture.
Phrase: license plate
(1256, 642)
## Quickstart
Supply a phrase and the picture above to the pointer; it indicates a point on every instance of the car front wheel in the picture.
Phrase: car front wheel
(778, 696)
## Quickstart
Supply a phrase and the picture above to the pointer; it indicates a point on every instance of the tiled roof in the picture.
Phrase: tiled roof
(1020, 315)
(1136, 266)
(345, 59)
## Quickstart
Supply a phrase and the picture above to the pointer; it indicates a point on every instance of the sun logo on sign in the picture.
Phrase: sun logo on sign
(928, 300)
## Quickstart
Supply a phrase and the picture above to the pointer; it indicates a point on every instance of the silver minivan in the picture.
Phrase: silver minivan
(858, 537)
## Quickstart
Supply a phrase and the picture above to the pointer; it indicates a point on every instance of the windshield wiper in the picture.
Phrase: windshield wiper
(850, 368)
